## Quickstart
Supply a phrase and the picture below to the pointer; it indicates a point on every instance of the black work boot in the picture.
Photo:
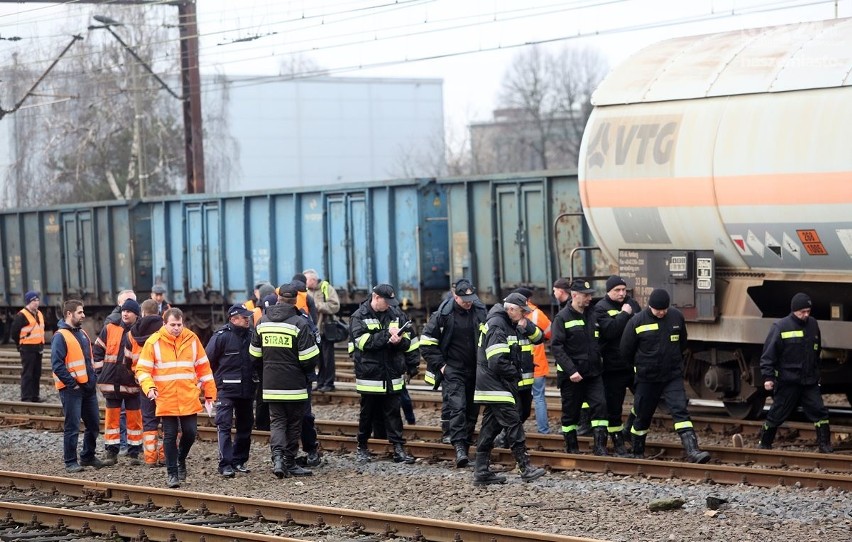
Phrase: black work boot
(824, 439)
(618, 443)
(639, 446)
(362, 455)
(584, 427)
(445, 432)
(482, 475)
(110, 459)
(181, 470)
(690, 445)
(528, 472)
(571, 444)
(500, 439)
(767, 437)
(278, 468)
(462, 459)
(295, 470)
(401, 456)
(600, 437)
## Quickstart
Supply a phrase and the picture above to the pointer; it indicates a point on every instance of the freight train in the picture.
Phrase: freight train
(720, 167)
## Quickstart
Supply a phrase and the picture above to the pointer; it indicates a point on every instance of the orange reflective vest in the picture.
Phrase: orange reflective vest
(541, 320)
(302, 302)
(75, 361)
(249, 304)
(33, 332)
(177, 367)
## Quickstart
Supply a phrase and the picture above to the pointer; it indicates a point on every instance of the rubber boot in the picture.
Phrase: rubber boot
(618, 443)
(462, 460)
(824, 439)
(278, 468)
(767, 437)
(295, 470)
(445, 432)
(599, 442)
(571, 445)
(401, 456)
(690, 445)
(528, 472)
(482, 475)
(639, 446)
(584, 427)
(626, 434)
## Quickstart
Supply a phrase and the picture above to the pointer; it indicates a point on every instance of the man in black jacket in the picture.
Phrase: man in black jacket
(235, 373)
(574, 343)
(380, 336)
(612, 314)
(284, 341)
(448, 344)
(655, 339)
(790, 369)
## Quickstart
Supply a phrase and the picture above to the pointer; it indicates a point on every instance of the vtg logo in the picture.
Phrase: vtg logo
(634, 141)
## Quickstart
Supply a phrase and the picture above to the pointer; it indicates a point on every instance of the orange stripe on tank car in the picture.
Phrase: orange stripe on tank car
(649, 192)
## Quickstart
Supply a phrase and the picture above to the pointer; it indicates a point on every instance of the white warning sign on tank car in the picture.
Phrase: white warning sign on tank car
(845, 236)
(754, 243)
(792, 247)
(773, 245)
(740, 243)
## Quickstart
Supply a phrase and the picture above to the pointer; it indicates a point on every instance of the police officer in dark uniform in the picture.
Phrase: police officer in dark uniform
(790, 368)
(497, 375)
(612, 314)
(235, 373)
(655, 339)
(448, 344)
(574, 344)
(381, 337)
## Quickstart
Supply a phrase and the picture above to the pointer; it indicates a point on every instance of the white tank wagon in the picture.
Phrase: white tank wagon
(720, 167)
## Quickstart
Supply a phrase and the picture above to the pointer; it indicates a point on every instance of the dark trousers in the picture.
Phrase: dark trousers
(525, 403)
(407, 406)
(30, 372)
(150, 420)
(616, 384)
(495, 418)
(649, 394)
(80, 404)
(385, 406)
(789, 395)
(261, 410)
(461, 410)
(177, 452)
(590, 390)
(327, 370)
(285, 422)
(234, 412)
(309, 428)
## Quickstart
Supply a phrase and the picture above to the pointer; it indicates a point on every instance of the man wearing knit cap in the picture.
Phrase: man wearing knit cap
(579, 368)
(27, 331)
(612, 314)
(654, 340)
(790, 369)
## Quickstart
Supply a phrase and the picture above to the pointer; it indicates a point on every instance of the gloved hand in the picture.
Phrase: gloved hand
(208, 406)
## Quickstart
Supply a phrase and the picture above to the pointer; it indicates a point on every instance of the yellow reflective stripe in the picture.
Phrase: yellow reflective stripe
(255, 351)
(683, 425)
(647, 327)
(429, 378)
(282, 327)
(597, 333)
(285, 395)
(612, 312)
(374, 386)
(574, 323)
(308, 353)
(599, 423)
(536, 334)
(415, 344)
(493, 397)
(568, 428)
(674, 338)
(350, 346)
(792, 334)
(494, 349)
(361, 341)
(426, 340)
(324, 289)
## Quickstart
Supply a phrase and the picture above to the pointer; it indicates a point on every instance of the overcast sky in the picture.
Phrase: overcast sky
(467, 43)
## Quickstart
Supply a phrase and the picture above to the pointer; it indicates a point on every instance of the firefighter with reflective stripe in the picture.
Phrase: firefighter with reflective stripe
(284, 342)
(235, 373)
(579, 368)
(150, 323)
(380, 336)
(171, 369)
(117, 383)
(654, 340)
(790, 368)
(448, 344)
(612, 314)
(498, 371)
(74, 377)
(261, 410)
(27, 331)
(328, 304)
(540, 367)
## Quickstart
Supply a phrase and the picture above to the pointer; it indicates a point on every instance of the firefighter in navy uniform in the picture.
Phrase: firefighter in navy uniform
(448, 344)
(380, 336)
(790, 368)
(574, 344)
(655, 339)
(497, 375)
(235, 372)
(612, 314)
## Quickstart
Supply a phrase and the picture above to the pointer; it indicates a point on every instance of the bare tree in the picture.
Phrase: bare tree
(544, 106)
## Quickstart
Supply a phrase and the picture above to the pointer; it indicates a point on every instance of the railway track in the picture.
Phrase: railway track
(50, 506)
(764, 468)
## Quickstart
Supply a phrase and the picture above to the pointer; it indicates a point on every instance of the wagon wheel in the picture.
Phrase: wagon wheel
(746, 410)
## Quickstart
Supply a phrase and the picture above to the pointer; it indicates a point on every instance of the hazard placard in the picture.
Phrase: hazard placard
(812, 243)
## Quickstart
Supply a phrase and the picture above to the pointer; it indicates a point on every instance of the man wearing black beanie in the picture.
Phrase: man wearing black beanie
(655, 340)
(790, 369)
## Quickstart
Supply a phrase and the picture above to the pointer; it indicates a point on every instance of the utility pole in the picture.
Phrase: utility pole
(190, 80)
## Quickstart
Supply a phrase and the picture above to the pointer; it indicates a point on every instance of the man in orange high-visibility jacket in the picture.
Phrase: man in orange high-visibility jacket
(74, 377)
(28, 333)
(171, 368)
